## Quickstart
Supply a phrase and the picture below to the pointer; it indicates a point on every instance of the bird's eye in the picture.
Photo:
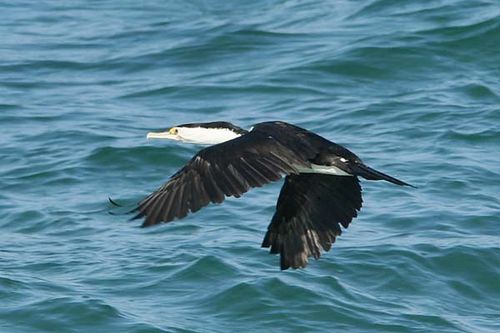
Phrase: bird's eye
(173, 131)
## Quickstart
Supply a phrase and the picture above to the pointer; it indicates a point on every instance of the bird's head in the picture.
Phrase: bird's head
(201, 133)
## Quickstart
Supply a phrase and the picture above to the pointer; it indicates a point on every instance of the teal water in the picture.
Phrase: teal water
(412, 87)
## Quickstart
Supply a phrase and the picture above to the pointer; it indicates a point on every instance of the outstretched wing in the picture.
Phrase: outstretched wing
(227, 169)
(309, 212)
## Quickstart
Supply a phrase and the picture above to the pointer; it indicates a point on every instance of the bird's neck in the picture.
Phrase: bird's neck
(208, 136)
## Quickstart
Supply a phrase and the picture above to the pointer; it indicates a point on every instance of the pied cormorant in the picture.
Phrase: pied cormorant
(321, 191)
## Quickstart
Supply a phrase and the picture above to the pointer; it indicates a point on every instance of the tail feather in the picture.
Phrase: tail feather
(366, 172)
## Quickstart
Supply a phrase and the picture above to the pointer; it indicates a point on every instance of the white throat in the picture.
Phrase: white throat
(205, 136)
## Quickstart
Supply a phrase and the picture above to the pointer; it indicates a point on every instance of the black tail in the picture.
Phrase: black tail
(366, 172)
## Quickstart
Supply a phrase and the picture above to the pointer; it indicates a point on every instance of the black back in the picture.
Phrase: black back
(217, 124)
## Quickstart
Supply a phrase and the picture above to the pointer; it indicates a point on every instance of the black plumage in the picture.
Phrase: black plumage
(310, 209)
(311, 206)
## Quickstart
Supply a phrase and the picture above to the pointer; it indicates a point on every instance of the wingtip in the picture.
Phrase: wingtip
(284, 266)
(408, 185)
(114, 203)
(136, 216)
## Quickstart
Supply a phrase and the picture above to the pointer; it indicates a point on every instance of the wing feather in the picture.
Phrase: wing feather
(227, 169)
(309, 212)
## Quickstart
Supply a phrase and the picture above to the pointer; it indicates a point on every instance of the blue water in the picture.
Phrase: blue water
(412, 87)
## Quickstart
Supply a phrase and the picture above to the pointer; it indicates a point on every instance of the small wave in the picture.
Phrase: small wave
(472, 136)
(206, 268)
(480, 91)
(183, 91)
(482, 34)
(64, 313)
(135, 157)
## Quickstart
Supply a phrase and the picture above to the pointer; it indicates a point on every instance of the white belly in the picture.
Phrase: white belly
(324, 169)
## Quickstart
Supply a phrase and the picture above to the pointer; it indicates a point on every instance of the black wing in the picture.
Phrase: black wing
(309, 212)
(227, 169)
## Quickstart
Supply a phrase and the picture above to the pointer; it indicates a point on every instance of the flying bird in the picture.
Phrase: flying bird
(321, 191)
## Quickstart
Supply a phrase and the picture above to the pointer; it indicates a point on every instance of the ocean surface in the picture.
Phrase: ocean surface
(412, 87)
